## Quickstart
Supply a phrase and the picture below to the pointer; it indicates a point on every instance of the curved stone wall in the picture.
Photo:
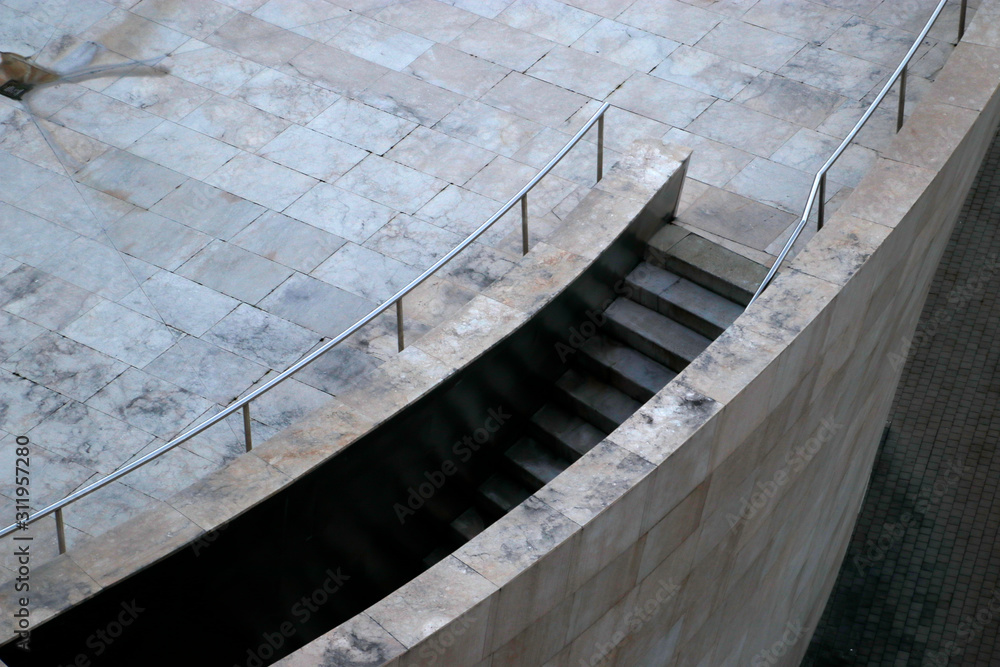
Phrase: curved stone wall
(708, 529)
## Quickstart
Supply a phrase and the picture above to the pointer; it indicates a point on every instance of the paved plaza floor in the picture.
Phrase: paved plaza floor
(169, 242)
(920, 585)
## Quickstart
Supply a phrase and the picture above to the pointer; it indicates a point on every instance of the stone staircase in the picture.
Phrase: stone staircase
(676, 302)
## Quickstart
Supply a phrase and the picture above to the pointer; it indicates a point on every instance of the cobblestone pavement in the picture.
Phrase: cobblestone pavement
(176, 240)
(920, 585)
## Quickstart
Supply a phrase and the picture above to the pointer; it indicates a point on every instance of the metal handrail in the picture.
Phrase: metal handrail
(819, 181)
(397, 300)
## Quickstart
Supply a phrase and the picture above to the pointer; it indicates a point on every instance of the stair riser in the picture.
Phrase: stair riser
(615, 379)
(700, 277)
(652, 350)
(588, 413)
(692, 321)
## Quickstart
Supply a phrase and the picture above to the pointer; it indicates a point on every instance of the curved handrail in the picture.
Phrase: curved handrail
(396, 299)
(819, 181)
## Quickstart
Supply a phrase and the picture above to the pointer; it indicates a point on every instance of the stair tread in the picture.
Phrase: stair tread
(537, 461)
(503, 492)
(632, 365)
(657, 329)
(469, 523)
(703, 303)
(717, 268)
(576, 434)
(602, 400)
(679, 298)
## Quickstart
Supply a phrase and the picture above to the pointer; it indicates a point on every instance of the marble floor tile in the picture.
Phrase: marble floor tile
(294, 13)
(622, 128)
(363, 126)
(133, 36)
(877, 133)
(235, 123)
(258, 40)
(477, 267)
(434, 301)
(172, 472)
(185, 363)
(64, 365)
(288, 403)
(183, 304)
(336, 70)
(843, 74)
(671, 19)
(341, 213)
(580, 72)
(52, 476)
(28, 238)
(700, 70)
(711, 162)
(737, 218)
(642, 94)
(107, 508)
(26, 403)
(210, 210)
(380, 43)
(130, 178)
(407, 97)
(287, 241)
(803, 20)
(149, 403)
(501, 44)
(751, 45)
(488, 8)
(185, 151)
(232, 270)
(261, 181)
(777, 185)
(338, 369)
(106, 119)
(21, 33)
(381, 278)
(549, 19)
(456, 71)
(316, 305)
(789, 100)
(97, 268)
(439, 155)
(743, 128)
(262, 337)
(436, 21)
(122, 333)
(862, 38)
(534, 100)
(413, 241)
(20, 177)
(168, 97)
(501, 179)
(579, 165)
(626, 45)
(493, 129)
(462, 211)
(312, 153)
(17, 332)
(42, 298)
(197, 18)
(155, 239)
(76, 207)
(210, 67)
(285, 96)
(391, 184)
(809, 150)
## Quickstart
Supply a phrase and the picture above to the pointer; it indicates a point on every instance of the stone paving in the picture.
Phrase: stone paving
(172, 241)
(920, 585)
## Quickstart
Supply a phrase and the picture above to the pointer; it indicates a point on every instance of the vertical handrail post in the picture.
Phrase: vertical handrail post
(60, 531)
(247, 436)
(600, 148)
(524, 225)
(399, 323)
(961, 19)
(902, 99)
(822, 202)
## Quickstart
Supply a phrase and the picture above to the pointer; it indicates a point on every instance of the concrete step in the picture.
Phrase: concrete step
(468, 524)
(569, 435)
(620, 366)
(681, 300)
(656, 336)
(533, 464)
(500, 494)
(705, 263)
(600, 404)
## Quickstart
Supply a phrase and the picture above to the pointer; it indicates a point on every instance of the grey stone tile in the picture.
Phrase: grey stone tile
(737, 218)
(191, 17)
(337, 370)
(477, 267)
(324, 31)
(776, 185)
(862, 38)
(549, 19)
(122, 333)
(287, 241)
(90, 438)
(287, 403)
(671, 19)
(789, 100)
(493, 129)
(626, 45)
(432, 302)
(501, 44)
(707, 72)
(106, 119)
(579, 165)
(413, 241)
(622, 127)
(803, 20)
(64, 365)
(316, 305)
(186, 151)
(407, 97)
(334, 69)
(843, 74)
(183, 304)
(17, 332)
(156, 239)
(23, 32)
(501, 179)
(108, 507)
(340, 212)
(580, 72)
(133, 36)
(235, 123)
(52, 476)
(711, 162)
(534, 100)
(361, 125)
(743, 128)
(258, 40)
(751, 45)
(365, 272)
(434, 20)
(456, 71)
(439, 155)
(463, 211)
(20, 177)
(380, 43)
(25, 403)
(167, 96)
(312, 153)
(391, 184)
(42, 298)
(294, 13)
(644, 95)
(130, 178)
(261, 181)
(487, 8)
(28, 238)
(210, 210)
(262, 337)
(285, 96)
(808, 151)
(184, 364)
(96, 268)
(224, 441)
(877, 133)
(169, 474)
(210, 67)
(76, 207)
(234, 271)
